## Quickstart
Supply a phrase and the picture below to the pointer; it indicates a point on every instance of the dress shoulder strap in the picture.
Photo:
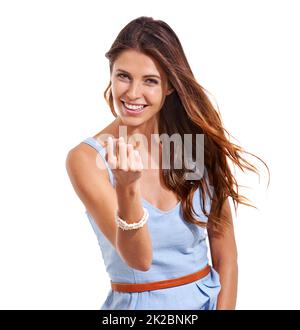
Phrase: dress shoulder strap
(102, 151)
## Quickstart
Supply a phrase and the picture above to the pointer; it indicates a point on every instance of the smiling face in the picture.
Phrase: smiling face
(139, 87)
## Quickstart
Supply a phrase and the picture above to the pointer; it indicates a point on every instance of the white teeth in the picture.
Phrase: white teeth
(133, 107)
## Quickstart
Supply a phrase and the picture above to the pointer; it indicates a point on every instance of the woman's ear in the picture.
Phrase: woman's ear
(170, 89)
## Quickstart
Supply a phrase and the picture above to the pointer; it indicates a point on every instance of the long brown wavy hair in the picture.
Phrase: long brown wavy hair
(187, 110)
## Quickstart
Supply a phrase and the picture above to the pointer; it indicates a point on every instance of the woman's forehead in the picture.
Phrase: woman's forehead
(135, 62)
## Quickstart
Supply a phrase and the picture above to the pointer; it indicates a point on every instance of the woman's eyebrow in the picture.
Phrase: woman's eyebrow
(146, 76)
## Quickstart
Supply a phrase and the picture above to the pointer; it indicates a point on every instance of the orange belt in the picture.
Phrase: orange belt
(139, 287)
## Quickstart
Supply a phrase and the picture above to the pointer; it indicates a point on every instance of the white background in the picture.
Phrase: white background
(52, 77)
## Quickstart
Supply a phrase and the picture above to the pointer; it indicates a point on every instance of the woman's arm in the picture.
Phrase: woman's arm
(224, 260)
(101, 200)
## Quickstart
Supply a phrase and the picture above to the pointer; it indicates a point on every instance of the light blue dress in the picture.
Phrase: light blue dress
(179, 248)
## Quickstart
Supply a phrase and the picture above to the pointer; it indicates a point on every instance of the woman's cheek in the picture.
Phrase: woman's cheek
(155, 94)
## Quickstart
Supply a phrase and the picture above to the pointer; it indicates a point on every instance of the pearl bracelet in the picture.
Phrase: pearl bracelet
(129, 226)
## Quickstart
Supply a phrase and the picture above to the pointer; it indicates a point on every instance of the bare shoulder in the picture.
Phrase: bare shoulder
(82, 150)
(78, 157)
(83, 160)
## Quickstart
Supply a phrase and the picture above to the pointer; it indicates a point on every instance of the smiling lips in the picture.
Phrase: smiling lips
(134, 108)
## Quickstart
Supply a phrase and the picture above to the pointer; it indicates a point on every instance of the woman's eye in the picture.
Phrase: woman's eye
(153, 81)
(123, 75)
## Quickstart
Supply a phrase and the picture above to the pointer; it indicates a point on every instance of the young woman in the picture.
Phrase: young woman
(151, 220)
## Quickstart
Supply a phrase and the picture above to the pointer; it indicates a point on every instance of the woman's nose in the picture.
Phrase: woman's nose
(134, 90)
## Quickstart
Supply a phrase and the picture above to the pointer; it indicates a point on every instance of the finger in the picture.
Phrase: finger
(131, 158)
(111, 158)
(116, 145)
(122, 155)
(138, 159)
(109, 147)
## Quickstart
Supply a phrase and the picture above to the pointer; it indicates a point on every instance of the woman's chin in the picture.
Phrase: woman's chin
(131, 121)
